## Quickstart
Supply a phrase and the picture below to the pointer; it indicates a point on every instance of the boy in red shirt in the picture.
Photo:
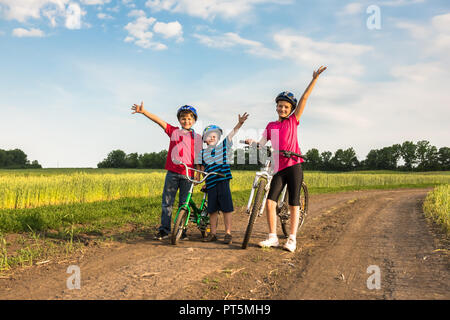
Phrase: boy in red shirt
(184, 145)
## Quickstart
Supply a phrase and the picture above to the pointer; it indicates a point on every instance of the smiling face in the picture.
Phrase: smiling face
(186, 120)
(284, 108)
(212, 138)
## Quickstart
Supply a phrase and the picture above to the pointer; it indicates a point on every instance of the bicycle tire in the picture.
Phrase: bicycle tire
(254, 211)
(179, 226)
(302, 211)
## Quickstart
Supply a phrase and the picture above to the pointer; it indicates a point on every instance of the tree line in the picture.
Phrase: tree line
(119, 159)
(408, 156)
(16, 159)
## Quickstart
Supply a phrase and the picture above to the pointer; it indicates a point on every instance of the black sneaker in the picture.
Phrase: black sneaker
(161, 235)
(184, 237)
(210, 238)
(228, 239)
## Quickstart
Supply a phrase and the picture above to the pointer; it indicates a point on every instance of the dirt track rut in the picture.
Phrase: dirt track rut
(344, 234)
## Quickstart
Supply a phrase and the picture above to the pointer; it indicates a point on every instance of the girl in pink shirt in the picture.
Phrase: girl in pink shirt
(283, 136)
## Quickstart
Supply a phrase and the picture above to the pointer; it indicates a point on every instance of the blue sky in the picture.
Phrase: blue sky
(71, 69)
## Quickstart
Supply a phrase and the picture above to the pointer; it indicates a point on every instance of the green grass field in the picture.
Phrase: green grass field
(65, 204)
(49, 199)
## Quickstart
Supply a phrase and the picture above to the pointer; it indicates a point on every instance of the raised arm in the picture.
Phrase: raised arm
(140, 109)
(236, 128)
(301, 104)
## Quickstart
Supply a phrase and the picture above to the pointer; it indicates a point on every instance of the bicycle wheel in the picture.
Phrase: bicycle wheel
(285, 215)
(179, 226)
(257, 203)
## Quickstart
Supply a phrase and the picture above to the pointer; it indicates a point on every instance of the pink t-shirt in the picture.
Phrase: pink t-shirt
(283, 135)
(184, 145)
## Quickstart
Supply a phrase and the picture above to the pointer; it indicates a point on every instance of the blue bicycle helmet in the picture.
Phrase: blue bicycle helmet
(212, 128)
(287, 96)
(187, 108)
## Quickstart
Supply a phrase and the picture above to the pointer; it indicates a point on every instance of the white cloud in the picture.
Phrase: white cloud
(21, 32)
(169, 30)
(129, 3)
(231, 39)
(210, 9)
(95, 2)
(441, 26)
(73, 16)
(104, 16)
(21, 10)
(355, 8)
(399, 3)
(139, 34)
(301, 49)
(441, 23)
(416, 31)
(433, 39)
(56, 11)
(136, 13)
(340, 56)
(138, 31)
(226, 40)
(352, 8)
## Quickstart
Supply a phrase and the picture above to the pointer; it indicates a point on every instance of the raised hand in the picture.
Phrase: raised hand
(243, 118)
(138, 108)
(319, 71)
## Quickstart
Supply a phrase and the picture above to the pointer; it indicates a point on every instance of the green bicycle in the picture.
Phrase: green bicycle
(189, 210)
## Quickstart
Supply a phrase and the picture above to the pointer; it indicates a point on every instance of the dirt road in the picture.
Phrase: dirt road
(344, 234)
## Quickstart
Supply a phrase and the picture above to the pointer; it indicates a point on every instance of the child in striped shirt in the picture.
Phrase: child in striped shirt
(214, 158)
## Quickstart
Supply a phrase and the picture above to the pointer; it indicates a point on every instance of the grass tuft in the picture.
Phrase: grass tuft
(437, 206)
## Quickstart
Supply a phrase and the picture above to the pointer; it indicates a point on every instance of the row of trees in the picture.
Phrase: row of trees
(119, 159)
(420, 156)
(16, 159)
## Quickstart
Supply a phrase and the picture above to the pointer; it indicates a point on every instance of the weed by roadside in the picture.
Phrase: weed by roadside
(437, 206)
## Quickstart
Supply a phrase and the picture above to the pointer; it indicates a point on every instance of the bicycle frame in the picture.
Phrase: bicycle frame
(256, 208)
(191, 204)
(267, 173)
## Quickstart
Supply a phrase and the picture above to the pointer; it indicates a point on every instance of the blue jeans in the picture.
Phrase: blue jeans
(173, 182)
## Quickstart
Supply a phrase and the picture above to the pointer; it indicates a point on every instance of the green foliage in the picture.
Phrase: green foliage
(421, 156)
(437, 206)
(16, 159)
(408, 152)
(119, 159)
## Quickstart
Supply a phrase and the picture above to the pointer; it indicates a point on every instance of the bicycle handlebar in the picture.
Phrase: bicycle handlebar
(285, 153)
(207, 174)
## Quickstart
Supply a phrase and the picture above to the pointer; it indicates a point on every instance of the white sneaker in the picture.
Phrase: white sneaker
(270, 242)
(290, 245)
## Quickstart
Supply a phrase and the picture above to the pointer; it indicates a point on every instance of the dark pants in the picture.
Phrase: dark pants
(293, 177)
(173, 182)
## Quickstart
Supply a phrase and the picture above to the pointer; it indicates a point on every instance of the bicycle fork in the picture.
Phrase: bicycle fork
(254, 187)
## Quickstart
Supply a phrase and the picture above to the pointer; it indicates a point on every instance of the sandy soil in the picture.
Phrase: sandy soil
(343, 235)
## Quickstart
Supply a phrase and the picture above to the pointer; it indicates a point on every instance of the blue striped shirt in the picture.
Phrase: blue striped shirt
(215, 159)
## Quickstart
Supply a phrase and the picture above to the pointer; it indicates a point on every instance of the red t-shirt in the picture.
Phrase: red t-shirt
(283, 136)
(184, 145)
